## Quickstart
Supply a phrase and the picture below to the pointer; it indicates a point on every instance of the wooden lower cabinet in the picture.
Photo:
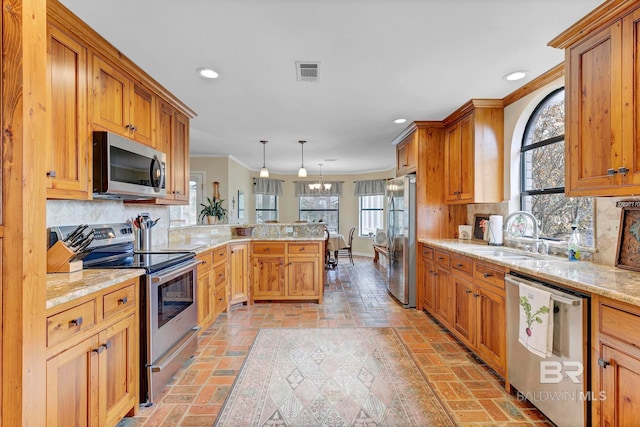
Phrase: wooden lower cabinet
(93, 373)
(468, 298)
(286, 271)
(205, 286)
(615, 363)
(239, 266)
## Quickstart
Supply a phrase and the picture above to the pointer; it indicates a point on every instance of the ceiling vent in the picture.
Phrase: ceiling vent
(307, 71)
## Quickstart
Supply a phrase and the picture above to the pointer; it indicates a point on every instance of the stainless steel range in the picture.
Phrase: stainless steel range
(169, 315)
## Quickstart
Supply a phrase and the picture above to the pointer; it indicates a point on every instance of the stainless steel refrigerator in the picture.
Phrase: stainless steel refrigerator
(401, 239)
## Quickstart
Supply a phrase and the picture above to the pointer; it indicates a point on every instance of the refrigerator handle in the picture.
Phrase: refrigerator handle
(390, 227)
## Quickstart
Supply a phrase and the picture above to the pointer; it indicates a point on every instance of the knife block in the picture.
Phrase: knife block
(59, 259)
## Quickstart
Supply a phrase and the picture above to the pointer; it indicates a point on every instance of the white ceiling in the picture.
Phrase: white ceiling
(381, 59)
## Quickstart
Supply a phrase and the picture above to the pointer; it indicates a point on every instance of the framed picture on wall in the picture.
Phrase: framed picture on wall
(628, 253)
(481, 226)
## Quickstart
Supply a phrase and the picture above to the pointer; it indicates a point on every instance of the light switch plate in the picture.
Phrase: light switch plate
(214, 230)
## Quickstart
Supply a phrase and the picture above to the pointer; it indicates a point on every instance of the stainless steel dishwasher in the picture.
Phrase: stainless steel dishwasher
(558, 385)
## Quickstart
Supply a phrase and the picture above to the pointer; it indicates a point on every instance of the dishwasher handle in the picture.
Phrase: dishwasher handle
(555, 297)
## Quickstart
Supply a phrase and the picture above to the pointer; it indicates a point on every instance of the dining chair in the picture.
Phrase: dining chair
(347, 250)
(327, 253)
(271, 221)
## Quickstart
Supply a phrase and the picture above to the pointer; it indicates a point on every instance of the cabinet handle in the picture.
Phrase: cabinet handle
(123, 300)
(51, 174)
(476, 295)
(302, 249)
(75, 322)
(440, 258)
(268, 249)
(603, 363)
(458, 265)
(468, 291)
(485, 275)
(611, 172)
(98, 350)
(622, 170)
(129, 126)
(134, 128)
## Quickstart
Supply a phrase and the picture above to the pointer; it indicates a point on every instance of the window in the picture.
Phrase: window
(320, 209)
(542, 175)
(371, 214)
(183, 215)
(266, 208)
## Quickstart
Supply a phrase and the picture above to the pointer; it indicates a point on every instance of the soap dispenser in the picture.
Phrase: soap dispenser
(574, 244)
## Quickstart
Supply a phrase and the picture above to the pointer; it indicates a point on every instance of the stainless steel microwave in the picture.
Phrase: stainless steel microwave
(125, 169)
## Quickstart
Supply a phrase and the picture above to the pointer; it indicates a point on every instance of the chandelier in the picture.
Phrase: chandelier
(320, 186)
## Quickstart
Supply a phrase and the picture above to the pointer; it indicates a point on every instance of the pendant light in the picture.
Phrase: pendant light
(264, 172)
(302, 172)
(320, 186)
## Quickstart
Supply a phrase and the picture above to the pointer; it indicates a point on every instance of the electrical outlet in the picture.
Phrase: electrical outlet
(615, 225)
(214, 230)
(289, 229)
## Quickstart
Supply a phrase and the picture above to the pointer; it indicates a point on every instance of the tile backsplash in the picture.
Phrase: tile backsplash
(73, 212)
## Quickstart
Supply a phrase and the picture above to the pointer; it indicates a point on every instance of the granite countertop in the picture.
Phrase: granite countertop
(64, 287)
(595, 279)
(202, 245)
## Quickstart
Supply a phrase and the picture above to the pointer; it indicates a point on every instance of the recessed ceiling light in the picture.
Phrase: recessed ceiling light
(516, 75)
(399, 121)
(207, 73)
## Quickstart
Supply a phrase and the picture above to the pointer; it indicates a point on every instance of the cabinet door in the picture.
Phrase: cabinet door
(490, 329)
(72, 386)
(459, 158)
(143, 116)
(111, 97)
(429, 290)
(118, 370)
(69, 151)
(593, 114)
(620, 381)
(464, 308)
(631, 73)
(407, 155)
(303, 278)
(444, 296)
(180, 159)
(205, 286)
(268, 277)
(239, 285)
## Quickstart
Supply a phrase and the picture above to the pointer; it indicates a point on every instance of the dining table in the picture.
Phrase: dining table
(334, 244)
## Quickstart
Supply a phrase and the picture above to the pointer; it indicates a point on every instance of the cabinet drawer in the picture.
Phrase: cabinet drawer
(220, 275)
(620, 324)
(219, 255)
(63, 325)
(442, 258)
(118, 301)
(268, 248)
(303, 248)
(489, 275)
(427, 252)
(462, 264)
(206, 261)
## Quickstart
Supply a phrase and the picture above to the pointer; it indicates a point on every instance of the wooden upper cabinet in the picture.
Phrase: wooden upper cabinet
(407, 155)
(602, 106)
(121, 105)
(69, 149)
(180, 159)
(474, 153)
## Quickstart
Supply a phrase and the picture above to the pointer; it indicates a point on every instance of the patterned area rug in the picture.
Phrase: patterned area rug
(331, 377)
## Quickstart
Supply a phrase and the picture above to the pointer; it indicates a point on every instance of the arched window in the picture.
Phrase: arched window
(542, 175)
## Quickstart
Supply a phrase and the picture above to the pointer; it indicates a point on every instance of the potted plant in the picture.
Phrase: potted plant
(213, 211)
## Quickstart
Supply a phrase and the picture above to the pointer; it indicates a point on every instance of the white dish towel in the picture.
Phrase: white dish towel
(536, 320)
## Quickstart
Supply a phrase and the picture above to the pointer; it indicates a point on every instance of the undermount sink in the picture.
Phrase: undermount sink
(503, 254)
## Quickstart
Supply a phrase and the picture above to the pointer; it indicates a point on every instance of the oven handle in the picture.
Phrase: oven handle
(175, 272)
(164, 361)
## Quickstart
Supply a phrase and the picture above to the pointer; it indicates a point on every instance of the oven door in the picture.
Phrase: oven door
(171, 307)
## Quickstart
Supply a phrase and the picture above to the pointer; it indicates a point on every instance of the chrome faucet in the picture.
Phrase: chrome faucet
(534, 222)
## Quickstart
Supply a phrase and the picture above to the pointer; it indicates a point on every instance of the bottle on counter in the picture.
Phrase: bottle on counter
(574, 244)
